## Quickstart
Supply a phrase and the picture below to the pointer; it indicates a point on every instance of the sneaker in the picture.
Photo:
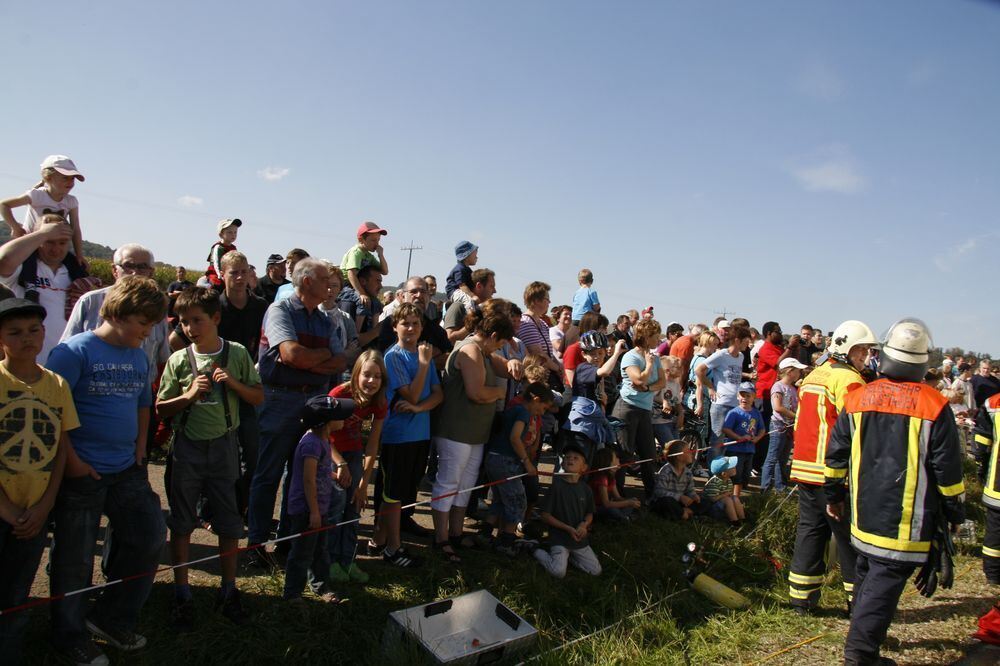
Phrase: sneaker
(356, 574)
(182, 615)
(754, 474)
(337, 573)
(374, 550)
(409, 526)
(124, 640)
(527, 545)
(86, 654)
(401, 558)
(232, 608)
(260, 559)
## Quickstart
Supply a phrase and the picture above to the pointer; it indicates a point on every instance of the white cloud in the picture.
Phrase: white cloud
(273, 174)
(952, 256)
(833, 170)
(189, 201)
(821, 81)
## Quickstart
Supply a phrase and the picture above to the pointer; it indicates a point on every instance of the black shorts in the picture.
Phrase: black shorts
(744, 465)
(401, 467)
(209, 468)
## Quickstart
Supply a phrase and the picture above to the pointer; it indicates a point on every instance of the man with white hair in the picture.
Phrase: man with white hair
(299, 354)
(129, 259)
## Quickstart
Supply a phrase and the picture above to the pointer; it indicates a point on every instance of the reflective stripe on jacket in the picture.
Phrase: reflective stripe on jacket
(821, 397)
(897, 444)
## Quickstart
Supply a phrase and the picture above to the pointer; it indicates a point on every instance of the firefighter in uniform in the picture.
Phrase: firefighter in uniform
(895, 456)
(821, 397)
(987, 433)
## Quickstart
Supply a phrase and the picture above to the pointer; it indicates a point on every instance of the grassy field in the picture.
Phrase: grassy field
(641, 608)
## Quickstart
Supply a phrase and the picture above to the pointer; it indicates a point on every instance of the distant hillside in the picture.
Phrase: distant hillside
(89, 249)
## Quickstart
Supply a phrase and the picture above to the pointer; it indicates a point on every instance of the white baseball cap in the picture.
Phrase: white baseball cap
(723, 323)
(63, 165)
(229, 222)
(791, 363)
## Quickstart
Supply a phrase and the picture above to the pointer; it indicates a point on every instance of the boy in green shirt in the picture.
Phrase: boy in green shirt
(200, 390)
(717, 496)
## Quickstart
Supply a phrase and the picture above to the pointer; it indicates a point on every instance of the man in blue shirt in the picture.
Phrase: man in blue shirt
(299, 353)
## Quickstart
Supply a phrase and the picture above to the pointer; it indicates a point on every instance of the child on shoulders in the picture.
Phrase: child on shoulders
(459, 284)
(568, 510)
(227, 230)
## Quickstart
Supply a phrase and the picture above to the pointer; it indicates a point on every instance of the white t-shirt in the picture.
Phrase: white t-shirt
(555, 335)
(52, 287)
(42, 204)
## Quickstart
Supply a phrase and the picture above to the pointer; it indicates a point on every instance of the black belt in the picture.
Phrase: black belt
(296, 388)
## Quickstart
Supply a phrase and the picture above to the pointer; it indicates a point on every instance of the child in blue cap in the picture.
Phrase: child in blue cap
(717, 498)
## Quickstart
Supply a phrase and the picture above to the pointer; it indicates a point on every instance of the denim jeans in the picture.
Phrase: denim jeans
(249, 437)
(136, 517)
(664, 432)
(19, 560)
(308, 560)
(771, 472)
(717, 413)
(342, 543)
(280, 431)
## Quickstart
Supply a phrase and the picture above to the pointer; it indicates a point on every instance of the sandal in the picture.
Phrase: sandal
(447, 549)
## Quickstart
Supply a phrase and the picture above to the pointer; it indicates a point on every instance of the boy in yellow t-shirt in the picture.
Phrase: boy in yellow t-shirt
(36, 412)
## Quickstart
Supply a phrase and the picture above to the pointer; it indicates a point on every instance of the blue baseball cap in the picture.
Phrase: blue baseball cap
(748, 387)
(720, 465)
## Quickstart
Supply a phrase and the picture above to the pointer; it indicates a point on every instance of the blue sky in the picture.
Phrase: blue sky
(789, 161)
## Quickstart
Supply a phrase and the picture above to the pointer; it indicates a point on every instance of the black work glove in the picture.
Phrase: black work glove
(926, 581)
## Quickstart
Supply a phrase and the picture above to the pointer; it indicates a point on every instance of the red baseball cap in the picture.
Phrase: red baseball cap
(370, 228)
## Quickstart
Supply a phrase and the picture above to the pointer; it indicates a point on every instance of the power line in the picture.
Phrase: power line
(409, 257)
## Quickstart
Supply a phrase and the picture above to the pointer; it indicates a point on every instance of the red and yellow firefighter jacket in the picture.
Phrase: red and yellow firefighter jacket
(821, 397)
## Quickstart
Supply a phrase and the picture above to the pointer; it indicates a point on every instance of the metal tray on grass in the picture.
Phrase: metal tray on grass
(473, 628)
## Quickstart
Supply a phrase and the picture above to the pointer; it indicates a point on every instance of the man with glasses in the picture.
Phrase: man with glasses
(415, 291)
(129, 259)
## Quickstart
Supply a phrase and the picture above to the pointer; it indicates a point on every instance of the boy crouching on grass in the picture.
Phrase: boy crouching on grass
(310, 488)
(674, 496)
(201, 390)
(568, 510)
(38, 412)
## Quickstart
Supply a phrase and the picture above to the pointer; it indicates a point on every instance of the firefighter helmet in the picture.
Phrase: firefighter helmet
(848, 335)
(906, 350)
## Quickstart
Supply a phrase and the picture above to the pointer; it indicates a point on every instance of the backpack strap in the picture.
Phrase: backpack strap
(223, 362)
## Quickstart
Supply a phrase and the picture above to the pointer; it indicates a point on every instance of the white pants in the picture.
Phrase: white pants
(458, 469)
(558, 557)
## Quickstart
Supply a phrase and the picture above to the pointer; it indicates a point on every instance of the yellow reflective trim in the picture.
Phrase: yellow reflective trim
(900, 545)
(855, 462)
(810, 466)
(834, 472)
(849, 587)
(984, 440)
(952, 490)
(796, 594)
(987, 551)
(804, 580)
(915, 425)
(991, 477)
(823, 434)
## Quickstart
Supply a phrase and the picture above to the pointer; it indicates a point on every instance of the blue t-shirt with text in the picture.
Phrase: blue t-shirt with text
(109, 385)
